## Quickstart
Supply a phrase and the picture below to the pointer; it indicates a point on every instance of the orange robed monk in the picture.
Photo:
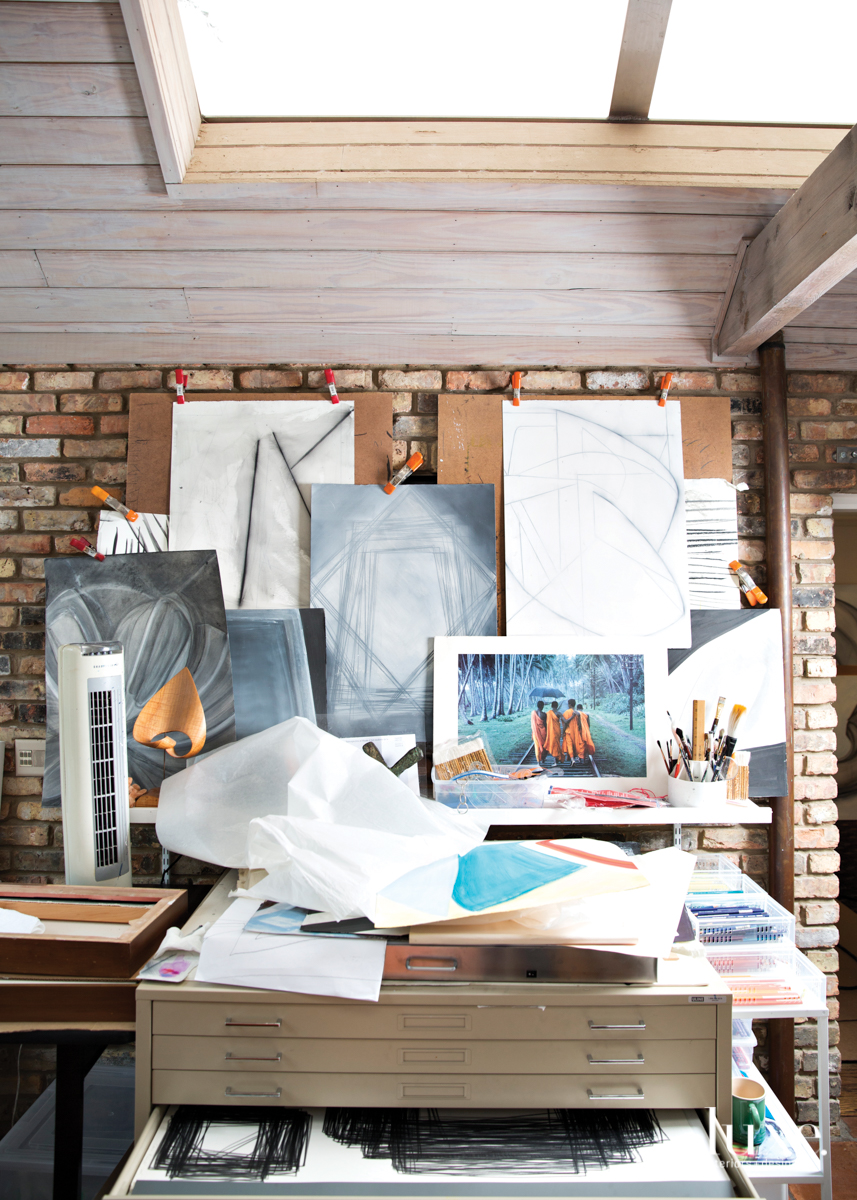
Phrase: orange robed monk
(553, 743)
(538, 724)
(577, 739)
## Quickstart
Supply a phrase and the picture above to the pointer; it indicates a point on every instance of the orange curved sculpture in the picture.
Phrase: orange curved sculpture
(175, 707)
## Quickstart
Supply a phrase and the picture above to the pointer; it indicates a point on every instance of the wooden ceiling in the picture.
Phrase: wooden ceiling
(579, 243)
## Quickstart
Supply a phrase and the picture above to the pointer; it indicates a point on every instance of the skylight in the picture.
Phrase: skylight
(400, 58)
(784, 61)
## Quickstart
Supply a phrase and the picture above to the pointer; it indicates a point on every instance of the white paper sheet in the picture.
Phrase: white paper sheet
(712, 543)
(321, 966)
(147, 535)
(241, 482)
(595, 525)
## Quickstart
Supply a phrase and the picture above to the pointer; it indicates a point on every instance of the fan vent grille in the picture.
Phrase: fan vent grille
(101, 732)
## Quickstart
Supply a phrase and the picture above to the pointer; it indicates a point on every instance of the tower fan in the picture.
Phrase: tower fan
(94, 763)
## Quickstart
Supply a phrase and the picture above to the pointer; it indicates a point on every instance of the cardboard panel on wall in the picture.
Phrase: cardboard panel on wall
(150, 439)
(706, 435)
(470, 450)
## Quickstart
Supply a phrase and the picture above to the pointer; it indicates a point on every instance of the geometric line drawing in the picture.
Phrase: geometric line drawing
(393, 572)
(595, 522)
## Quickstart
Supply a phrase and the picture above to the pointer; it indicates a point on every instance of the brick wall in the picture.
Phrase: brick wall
(62, 429)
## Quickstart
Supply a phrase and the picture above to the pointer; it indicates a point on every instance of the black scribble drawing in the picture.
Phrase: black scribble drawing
(712, 543)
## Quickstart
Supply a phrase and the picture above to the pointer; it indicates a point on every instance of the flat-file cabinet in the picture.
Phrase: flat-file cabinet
(480, 1045)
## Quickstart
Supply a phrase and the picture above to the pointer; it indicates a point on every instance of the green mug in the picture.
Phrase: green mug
(748, 1108)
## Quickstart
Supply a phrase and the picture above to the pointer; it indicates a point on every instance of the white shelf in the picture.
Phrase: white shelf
(806, 1167)
(743, 814)
(143, 816)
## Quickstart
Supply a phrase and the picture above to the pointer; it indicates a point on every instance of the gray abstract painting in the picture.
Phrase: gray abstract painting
(595, 524)
(240, 484)
(271, 667)
(392, 573)
(167, 611)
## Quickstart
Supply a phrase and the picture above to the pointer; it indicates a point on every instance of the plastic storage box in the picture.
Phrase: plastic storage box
(776, 976)
(479, 792)
(769, 922)
(714, 873)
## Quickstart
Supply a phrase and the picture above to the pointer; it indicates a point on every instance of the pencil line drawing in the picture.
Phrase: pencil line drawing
(148, 534)
(167, 611)
(383, 603)
(595, 523)
(712, 543)
(240, 484)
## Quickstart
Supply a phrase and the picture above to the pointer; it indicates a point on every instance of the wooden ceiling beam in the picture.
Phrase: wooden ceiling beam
(639, 58)
(804, 251)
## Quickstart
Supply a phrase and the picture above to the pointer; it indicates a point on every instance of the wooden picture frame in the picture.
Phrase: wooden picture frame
(147, 913)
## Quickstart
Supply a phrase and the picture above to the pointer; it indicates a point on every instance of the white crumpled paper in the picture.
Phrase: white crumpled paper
(330, 825)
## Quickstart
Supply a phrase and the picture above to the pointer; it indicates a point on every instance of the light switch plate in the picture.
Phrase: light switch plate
(29, 756)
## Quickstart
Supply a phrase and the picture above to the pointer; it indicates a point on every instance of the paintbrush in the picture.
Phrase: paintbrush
(664, 757)
(731, 736)
(720, 702)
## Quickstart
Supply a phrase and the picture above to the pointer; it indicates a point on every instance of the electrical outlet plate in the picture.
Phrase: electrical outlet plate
(845, 454)
(29, 756)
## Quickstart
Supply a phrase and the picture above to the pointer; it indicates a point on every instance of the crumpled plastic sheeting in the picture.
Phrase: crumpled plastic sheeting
(329, 824)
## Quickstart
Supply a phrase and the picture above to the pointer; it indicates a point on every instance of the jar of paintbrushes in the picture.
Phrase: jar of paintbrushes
(698, 766)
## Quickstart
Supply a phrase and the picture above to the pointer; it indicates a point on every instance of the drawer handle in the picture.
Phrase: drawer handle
(638, 1025)
(254, 1024)
(230, 1057)
(275, 1095)
(638, 1095)
(611, 1062)
(422, 964)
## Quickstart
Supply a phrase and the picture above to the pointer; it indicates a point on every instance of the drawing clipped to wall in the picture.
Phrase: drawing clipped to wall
(278, 666)
(738, 655)
(147, 535)
(712, 543)
(240, 484)
(167, 612)
(595, 524)
(391, 573)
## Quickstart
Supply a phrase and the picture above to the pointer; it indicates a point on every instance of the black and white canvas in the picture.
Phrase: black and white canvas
(167, 611)
(712, 543)
(149, 534)
(392, 573)
(240, 484)
(738, 655)
(272, 675)
(595, 524)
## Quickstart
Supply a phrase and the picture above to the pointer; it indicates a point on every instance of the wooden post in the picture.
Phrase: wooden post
(778, 544)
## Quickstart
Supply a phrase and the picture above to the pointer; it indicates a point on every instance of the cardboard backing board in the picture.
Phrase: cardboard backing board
(706, 435)
(150, 439)
(470, 450)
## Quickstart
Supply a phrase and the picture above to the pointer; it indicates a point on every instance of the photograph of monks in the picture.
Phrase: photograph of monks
(581, 714)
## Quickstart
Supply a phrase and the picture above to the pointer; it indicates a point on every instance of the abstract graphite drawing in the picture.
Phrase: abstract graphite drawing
(583, 713)
(712, 543)
(240, 484)
(738, 655)
(167, 611)
(392, 572)
(516, 694)
(147, 535)
(595, 525)
(271, 666)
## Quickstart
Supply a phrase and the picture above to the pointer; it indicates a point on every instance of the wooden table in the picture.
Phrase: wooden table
(81, 1017)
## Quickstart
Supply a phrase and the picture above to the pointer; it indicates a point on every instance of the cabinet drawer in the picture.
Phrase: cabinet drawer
(319, 1055)
(419, 1089)
(468, 1022)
